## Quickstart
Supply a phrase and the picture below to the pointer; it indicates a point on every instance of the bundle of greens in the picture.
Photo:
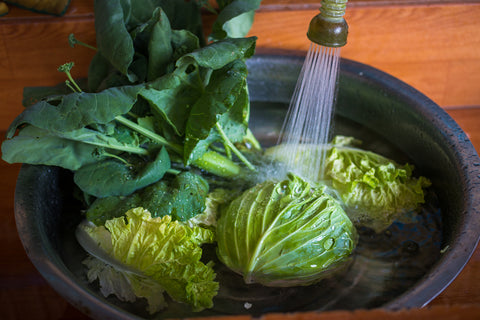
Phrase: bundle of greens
(154, 96)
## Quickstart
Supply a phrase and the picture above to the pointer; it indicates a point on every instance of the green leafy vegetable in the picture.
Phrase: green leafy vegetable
(166, 254)
(47, 149)
(159, 46)
(113, 38)
(375, 190)
(196, 92)
(182, 197)
(220, 96)
(81, 118)
(235, 18)
(218, 54)
(115, 178)
(77, 110)
(284, 233)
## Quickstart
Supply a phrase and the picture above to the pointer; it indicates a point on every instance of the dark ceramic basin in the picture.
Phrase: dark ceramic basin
(392, 118)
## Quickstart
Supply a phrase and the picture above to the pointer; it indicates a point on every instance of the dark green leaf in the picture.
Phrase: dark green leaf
(139, 67)
(172, 97)
(182, 198)
(218, 54)
(37, 146)
(137, 12)
(98, 70)
(77, 110)
(183, 15)
(183, 42)
(113, 39)
(121, 139)
(103, 209)
(159, 47)
(114, 178)
(32, 95)
(235, 122)
(71, 149)
(226, 26)
(220, 96)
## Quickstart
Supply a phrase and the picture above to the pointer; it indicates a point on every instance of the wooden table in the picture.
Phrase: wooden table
(434, 46)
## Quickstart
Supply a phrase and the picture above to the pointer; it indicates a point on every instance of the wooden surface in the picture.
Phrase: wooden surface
(434, 46)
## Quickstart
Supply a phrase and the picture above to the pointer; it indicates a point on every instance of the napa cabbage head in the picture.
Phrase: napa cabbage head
(150, 258)
(284, 233)
(375, 190)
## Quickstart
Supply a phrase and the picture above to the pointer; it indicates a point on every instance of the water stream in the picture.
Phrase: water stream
(311, 109)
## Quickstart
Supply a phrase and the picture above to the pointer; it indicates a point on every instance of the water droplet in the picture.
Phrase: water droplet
(328, 244)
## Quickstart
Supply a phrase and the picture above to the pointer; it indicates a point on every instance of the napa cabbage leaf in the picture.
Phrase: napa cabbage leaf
(375, 190)
(284, 233)
(164, 254)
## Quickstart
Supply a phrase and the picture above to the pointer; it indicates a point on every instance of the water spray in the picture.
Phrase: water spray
(307, 125)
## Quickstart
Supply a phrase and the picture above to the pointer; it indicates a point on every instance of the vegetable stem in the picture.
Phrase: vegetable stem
(124, 148)
(69, 85)
(233, 148)
(174, 171)
(217, 164)
(149, 134)
(66, 68)
(250, 138)
(116, 157)
(74, 41)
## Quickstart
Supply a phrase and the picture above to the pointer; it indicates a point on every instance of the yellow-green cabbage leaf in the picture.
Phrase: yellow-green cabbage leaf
(166, 255)
(375, 190)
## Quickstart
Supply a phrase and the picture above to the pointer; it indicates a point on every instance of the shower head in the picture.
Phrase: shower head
(329, 28)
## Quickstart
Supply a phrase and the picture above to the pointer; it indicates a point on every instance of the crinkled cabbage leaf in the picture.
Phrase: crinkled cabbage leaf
(374, 189)
(284, 233)
(166, 254)
(214, 201)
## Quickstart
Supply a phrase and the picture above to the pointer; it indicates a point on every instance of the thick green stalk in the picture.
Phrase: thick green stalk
(217, 164)
(233, 148)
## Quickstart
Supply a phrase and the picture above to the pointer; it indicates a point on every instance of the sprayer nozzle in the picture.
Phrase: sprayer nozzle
(328, 33)
(329, 28)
